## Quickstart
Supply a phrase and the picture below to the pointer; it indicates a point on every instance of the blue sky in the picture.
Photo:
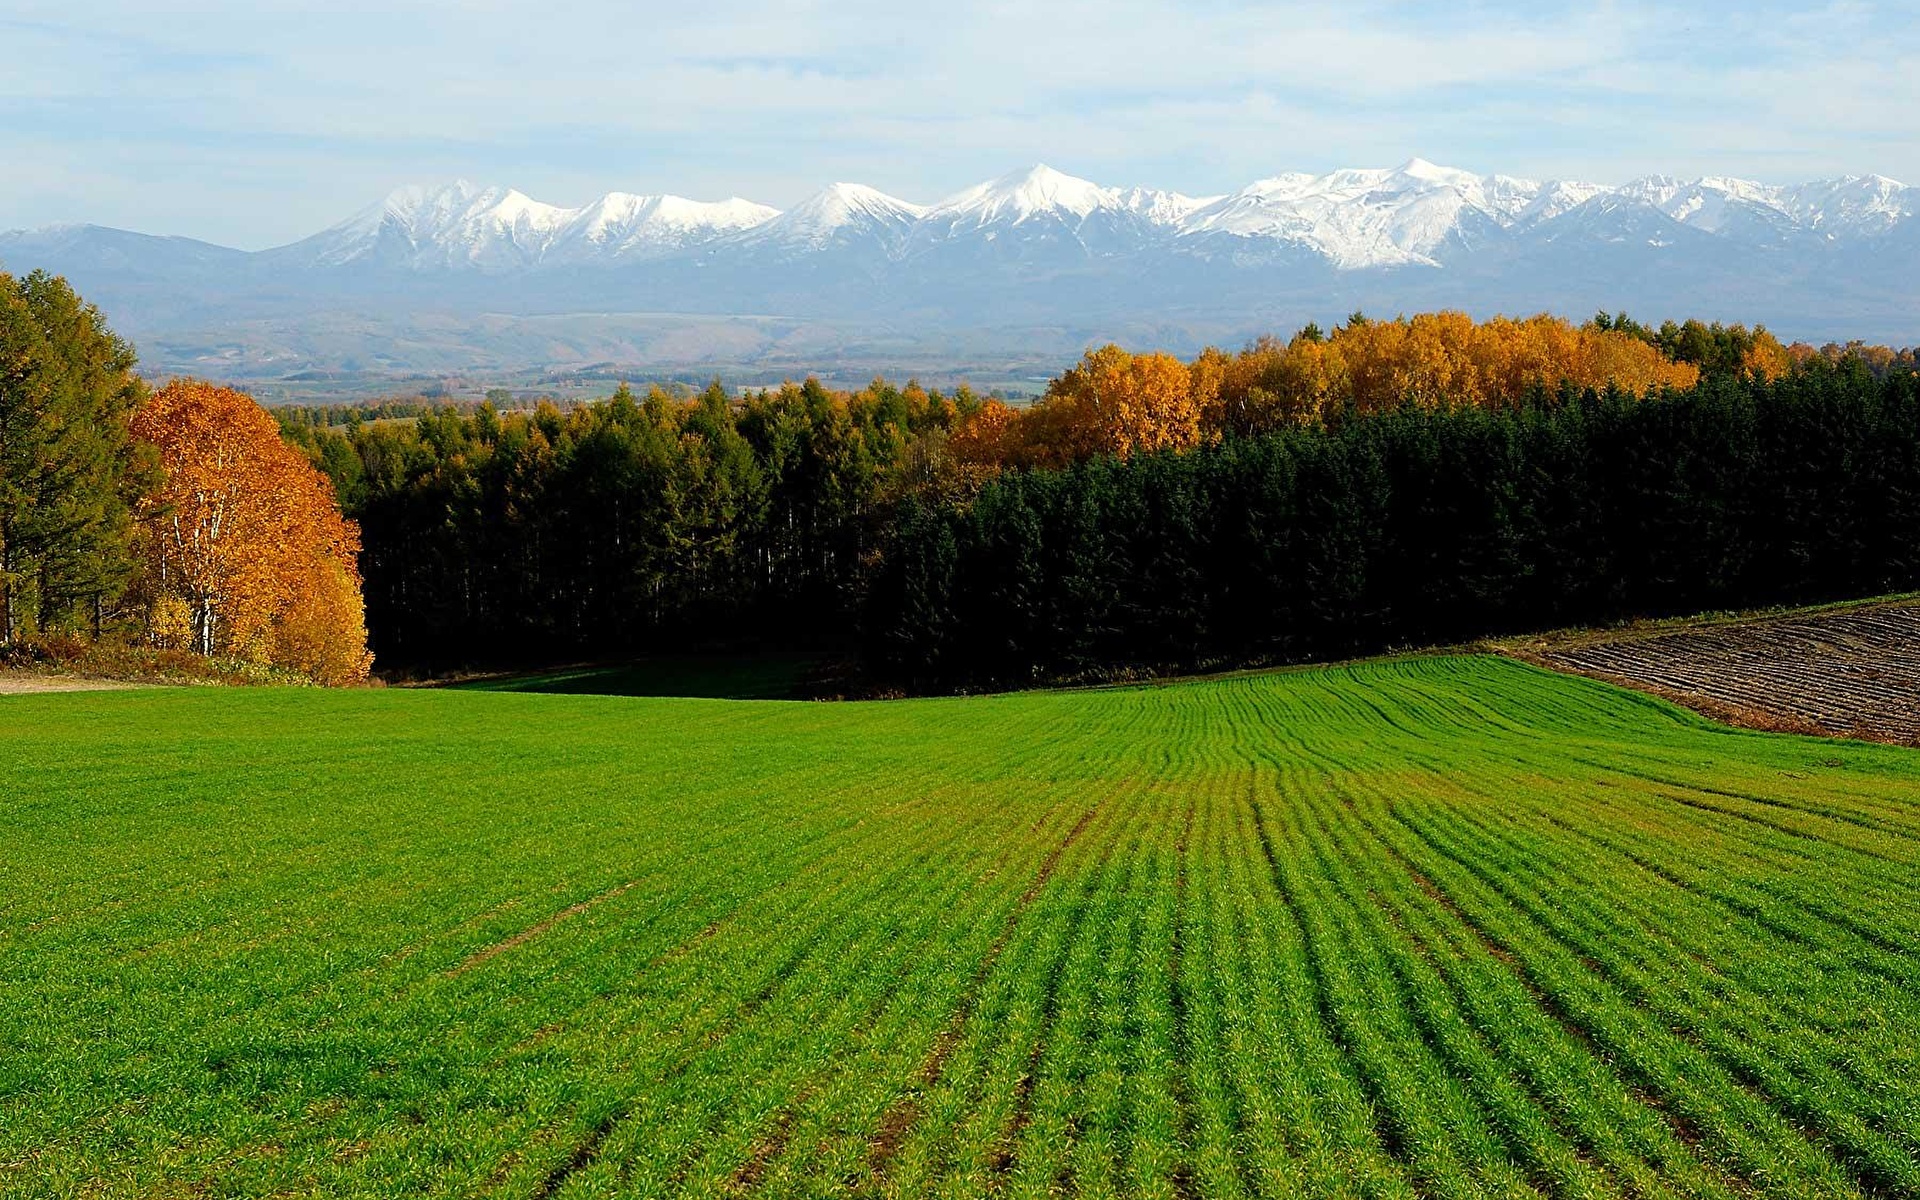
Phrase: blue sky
(254, 123)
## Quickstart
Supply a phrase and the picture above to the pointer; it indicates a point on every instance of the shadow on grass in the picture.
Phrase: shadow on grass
(743, 677)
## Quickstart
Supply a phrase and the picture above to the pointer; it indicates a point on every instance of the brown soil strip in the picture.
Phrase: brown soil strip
(19, 683)
(1185, 1186)
(582, 1156)
(769, 1148)
(1841, 673)
(479, 957)
(904, 1113)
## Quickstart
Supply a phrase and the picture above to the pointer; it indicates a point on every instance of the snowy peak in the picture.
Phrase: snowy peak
(1861, 205)
(1365, 218)
(849, 217)
(1556, 199)
(1038, 191)
(1857, 204)
(1416, 214)
(1711, 203)
(1162, 208)
(624, 225)
(457, 221)
(461, 224)
(838, 213)
(850, 203)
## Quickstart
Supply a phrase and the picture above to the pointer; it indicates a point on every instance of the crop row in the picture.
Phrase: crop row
(1439, 928)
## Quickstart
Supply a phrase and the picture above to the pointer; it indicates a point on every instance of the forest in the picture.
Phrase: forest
(1415, 527)
(1382, 484)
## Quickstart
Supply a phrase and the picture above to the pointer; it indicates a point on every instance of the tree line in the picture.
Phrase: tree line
(1382, 483)
(638, 522)
(1413, 526)
(799, 513)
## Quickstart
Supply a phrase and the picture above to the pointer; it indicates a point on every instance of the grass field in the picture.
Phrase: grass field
(1440, 927)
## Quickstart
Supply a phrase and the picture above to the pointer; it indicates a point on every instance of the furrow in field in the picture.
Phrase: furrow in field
(898, 965)
(1063, 1131)
(1830, 827)
(1848, 1032)
(1399, 1131)
(676, 993)
(1180, 1037)
(777, 1059)
(1557, 1064)
(864, 1084)
(1893, 821)
(905, 1113)
(1452, 1137)
(1310, 1126)
(487, 953)
(1242, 1151)
(1751, 859)
(702, 1018)
(1552, 1161)
(1768, 1150)
(1210, 1163)
(1744, 883)
(989, 1101)
(1811, 972)
(1859, 1126)
(1726, 874)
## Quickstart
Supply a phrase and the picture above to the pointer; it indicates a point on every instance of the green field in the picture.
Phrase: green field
(1438, 927)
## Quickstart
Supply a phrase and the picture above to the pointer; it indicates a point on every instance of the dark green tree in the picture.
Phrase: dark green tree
(69, 469)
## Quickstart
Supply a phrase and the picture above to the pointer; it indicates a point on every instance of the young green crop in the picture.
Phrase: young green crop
(1441, 927)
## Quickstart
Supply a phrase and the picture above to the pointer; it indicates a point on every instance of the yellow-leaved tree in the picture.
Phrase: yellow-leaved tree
(247, 553)
(1118, 403)
(1115, 402)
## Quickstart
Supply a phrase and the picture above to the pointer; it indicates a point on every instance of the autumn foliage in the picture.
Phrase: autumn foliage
(247, 554)
(1119, 403)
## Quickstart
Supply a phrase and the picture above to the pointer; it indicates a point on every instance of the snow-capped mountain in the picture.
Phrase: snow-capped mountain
(495, 228)
(843, 216)
(1414, 215)
(620, 225)
(1043, 207)
(1030, 254)
(1857, 205)
(1363, 218)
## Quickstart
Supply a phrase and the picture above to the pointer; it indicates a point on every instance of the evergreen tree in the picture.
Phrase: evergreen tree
(69, 470)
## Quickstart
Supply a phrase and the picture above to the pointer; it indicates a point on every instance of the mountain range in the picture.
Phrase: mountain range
(1004, 277)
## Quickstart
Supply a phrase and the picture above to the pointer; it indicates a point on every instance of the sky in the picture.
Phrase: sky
(256, 122)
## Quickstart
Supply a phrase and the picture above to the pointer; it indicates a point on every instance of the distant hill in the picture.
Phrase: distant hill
(1026, 268)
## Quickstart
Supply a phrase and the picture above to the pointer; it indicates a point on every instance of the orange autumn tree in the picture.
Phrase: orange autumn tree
(1444, 358)
(1114, 402)
(1118, 403)
(247, 552)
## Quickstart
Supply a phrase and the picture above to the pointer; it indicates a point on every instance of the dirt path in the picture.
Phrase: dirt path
(23, 683)
(1851, 672)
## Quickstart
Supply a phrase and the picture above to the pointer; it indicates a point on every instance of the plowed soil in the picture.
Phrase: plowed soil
(1851, 672)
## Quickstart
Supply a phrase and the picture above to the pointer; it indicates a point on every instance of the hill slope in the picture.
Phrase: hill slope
(1443, 927)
